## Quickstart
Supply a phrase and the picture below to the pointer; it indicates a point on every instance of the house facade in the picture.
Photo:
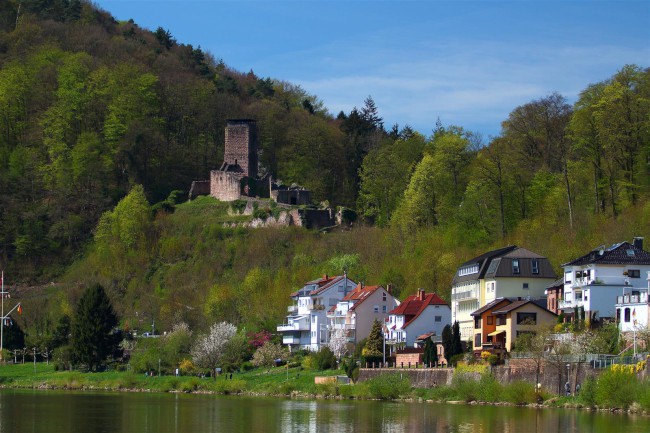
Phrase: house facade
(507, 272)
(306, 324)
(593, 282)
(418, 314)
(554, 293)
(511, 319)
(485, 326)
(356, 312)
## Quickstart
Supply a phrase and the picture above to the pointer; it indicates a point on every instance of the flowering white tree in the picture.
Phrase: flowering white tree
(266, 355)
(338, 343)
(209, 348)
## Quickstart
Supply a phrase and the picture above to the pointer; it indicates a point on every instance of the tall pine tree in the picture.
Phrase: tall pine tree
(93, 339)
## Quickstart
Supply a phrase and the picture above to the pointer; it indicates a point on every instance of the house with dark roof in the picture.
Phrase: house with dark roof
(511, 271)
(354, 315)
(554, 293)
(418, 314)
(593, 281)
(520, 317)
(306, 325)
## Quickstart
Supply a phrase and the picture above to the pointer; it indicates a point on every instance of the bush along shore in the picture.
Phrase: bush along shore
(617, 389)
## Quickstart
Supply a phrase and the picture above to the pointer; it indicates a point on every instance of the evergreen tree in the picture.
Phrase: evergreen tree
(374, 346)
(447, 342)
(14, 337)
(430, 353)
(457, 347)
(93, 339)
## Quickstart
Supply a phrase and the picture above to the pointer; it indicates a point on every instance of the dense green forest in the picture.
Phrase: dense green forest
(103, 122)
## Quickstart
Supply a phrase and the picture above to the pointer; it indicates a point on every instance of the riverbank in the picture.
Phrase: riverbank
(300, 383)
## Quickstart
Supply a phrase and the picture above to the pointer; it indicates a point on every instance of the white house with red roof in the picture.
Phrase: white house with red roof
(356, 312)
(418, 314)
(306, 324)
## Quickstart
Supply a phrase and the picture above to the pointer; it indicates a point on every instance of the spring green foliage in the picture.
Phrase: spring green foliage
(93, 337)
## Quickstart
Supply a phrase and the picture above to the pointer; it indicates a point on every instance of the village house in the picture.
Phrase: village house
(418, 314)
(306, 325)
(500, 323)
(354, 315)
(632, 308)
(593, 282)
(511, 271)
(554, 293)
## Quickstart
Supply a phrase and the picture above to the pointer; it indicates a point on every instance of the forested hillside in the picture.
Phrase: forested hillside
(100, 121)
(91, 106)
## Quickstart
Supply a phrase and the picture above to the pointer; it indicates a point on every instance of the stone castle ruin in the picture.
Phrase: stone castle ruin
(238, 179)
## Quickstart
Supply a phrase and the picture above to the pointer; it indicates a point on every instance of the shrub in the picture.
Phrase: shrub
(324, 359)
(617, 387)
(465, 387)
(587, 395)
(520, 392)
(389, 386)
(489, 389)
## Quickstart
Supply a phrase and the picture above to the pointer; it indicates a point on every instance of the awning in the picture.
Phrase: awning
(492, 334)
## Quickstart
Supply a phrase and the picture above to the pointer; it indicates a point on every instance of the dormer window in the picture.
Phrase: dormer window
(630, 252)
(515, 266)
(535, 266)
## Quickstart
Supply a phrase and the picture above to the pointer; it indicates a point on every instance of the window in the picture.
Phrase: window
(526, 318)
(567, 277)
(634, 273)
(477, 340)
(501, 319)
(438, 318)
(383, 309)
(535, 266)
(383, 296)
(490, 320)
(515, 266)
(525, 286)
(627, 315)
(477, 323)
(313, 319)
(376, 308)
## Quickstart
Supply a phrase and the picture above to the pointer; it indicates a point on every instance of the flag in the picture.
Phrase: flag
(20, 309)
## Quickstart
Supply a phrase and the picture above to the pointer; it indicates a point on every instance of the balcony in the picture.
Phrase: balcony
(290, 340)
(632, 299)
(292, 309)
(302, 325)
(463, 294)
(563, 305)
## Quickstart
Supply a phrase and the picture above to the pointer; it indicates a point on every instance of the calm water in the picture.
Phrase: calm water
(57, 411)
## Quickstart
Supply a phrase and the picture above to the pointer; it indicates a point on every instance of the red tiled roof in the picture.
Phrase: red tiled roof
(413, 306)
(360, 294)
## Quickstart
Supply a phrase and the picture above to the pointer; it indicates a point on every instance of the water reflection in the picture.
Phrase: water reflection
(50, 411)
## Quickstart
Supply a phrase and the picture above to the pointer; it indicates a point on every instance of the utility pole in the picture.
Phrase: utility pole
(3, 316)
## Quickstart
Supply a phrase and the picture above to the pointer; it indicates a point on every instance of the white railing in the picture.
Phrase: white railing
(290, 340)
(632, 299)
(562, 304)
(461, 294)
(292, 309)
(294, 326)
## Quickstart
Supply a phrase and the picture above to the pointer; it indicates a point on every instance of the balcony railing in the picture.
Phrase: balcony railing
(292, 309)
(290, 340)
(632, 299)
(461, 294)
(294, 326)
(562, 304)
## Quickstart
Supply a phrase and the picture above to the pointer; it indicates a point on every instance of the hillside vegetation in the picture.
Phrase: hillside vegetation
(102, 123)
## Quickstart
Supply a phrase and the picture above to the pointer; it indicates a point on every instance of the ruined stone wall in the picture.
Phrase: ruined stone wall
(292, 196)
(225, 186)
(317, 218)
(408, 358)
(241, 146)
(199, 187)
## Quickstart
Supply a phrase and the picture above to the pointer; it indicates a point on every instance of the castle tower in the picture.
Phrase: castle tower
(241, 145)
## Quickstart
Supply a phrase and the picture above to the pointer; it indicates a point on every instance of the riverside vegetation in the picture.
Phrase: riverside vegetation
(617, 388)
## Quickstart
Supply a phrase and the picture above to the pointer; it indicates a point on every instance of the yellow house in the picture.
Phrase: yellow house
(517, 318)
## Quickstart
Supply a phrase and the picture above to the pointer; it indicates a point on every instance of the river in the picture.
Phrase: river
(23, 411)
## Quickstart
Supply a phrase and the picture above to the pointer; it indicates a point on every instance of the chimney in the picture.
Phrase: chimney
(389, 289)
(638, 242)
(421, 294)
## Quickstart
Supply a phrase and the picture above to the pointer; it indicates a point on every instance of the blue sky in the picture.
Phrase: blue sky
(469, 63)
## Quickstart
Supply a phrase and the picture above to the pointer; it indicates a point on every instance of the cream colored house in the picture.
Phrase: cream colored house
(517, 318)
(511, 271)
